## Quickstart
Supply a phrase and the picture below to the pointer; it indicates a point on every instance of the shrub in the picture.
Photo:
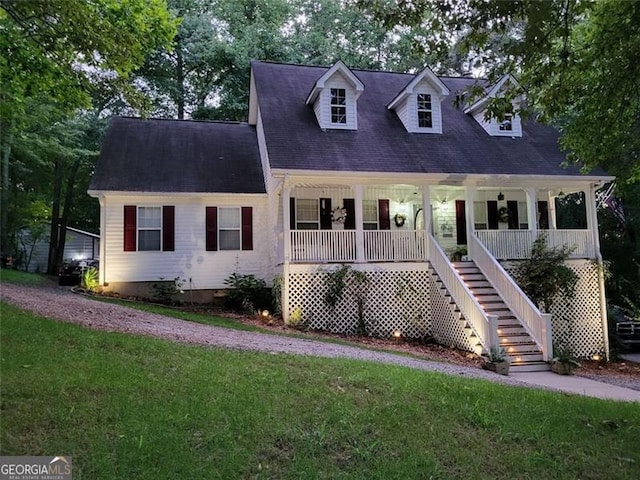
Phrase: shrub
(165, 291)
(247, 293)
(89, 280)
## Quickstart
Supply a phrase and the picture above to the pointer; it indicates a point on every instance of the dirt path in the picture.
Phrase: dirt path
(62, 304)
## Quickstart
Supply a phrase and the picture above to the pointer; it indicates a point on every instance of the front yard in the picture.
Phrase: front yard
(131, 407)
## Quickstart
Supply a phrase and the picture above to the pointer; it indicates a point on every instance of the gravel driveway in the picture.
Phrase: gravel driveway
(62, 304)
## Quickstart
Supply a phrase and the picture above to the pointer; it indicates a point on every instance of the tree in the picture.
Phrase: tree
(576, 62)
(53, 55)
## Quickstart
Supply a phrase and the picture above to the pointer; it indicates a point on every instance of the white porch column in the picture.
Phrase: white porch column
(532, 212)
(551, 204)
(592, 225)
(358, 195)
(286, 220)
(592, 219)
(426, 215)
(470, 193)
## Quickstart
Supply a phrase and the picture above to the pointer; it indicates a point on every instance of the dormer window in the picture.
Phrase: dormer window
(424, 111)
(338, 105)
(419, 104)
(334, 98)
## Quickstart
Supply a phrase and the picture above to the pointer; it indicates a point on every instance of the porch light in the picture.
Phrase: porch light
(444, 205)
(501, 196)
(402, 209)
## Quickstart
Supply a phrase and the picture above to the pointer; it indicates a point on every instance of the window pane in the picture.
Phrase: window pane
(370, 211)
(424, 119)
(338, 96)
(307, 210)
(338, 115)
(228, 218)
(505, 125)
(148, 240)
(424, 101)
(370, 226)
(480, 212)
(229, 239)
(149, 217)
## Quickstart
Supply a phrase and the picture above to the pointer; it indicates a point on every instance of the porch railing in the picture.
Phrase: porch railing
(319, 246)
(537, 324)
(386, 245)
(516, 244)
(485, 326)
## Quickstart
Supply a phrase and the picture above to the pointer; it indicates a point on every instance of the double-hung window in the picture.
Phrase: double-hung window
(480, 215)
(370, 214)
(307, 214)
(149, 228)
(229, 228)
(424, 111)
(338, 105)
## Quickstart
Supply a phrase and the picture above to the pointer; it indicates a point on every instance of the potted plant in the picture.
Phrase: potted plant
(498, 361)
(564, 362)
(458, 252)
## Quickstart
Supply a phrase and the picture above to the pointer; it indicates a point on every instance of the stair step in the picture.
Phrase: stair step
(521, 348)
(526, 357)
(529, 367)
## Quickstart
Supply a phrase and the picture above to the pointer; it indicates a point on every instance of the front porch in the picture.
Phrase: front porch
(402, 238)
(364, 224)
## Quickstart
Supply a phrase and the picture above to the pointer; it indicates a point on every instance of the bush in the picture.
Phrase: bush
(166, 290)
(247, 293)
(89, 280)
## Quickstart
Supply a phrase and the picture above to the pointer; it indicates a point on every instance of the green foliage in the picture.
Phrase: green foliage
(353, 283)
(543, 276)
(247, 293)
(165, 291)
(89, 280)
(564, 354)
(498, 355)
(295, 318)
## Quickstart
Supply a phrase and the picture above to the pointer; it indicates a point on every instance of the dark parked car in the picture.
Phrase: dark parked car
(625, 327)
(70, 273)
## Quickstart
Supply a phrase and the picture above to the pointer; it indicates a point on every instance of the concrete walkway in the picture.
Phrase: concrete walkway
(578, 385)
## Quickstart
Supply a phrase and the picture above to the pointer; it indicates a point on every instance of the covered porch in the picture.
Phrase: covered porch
(368, 223)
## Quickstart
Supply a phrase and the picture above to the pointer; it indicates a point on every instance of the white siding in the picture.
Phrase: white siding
(190, 260)
(407, 110)
(491, 127)
(322, 105)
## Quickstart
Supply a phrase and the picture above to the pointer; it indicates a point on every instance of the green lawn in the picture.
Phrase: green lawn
(129, 407)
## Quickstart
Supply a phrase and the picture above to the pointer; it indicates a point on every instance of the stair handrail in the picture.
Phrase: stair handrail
(536, 323)
(484, 326)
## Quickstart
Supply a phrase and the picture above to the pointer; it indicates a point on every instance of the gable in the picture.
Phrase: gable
(511, 125)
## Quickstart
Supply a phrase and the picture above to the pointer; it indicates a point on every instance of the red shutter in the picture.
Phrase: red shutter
(168, 228)
(247, 228)
(130, 228)
(492, 214)
(292, 213)
(325, 214)
(211, 229)
(461, 223)
(383, 214)
(543, 215)
(512, 207)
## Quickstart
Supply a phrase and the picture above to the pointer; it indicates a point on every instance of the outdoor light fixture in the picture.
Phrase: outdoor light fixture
(500, 196)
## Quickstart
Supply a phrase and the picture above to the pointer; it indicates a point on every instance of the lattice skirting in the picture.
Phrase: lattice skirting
(397, 300)
(578, 323)
(446, 325)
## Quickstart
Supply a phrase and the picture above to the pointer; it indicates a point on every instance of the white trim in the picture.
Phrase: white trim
(339, 66)
(122, 193)
(495, 89)
(425, 74)
(83, 232)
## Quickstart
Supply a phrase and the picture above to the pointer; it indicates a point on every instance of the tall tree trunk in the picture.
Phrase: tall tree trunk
(4, 200)
(180, 78)
(52, 267)
(66, 211)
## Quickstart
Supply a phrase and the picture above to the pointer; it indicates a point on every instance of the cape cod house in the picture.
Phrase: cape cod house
(377, 170)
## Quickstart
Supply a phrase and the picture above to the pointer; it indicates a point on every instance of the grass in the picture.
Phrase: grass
(132, 407)
(24, 278)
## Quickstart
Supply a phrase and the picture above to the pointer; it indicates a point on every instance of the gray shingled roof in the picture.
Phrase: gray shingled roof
(381, 143)
(179, 156)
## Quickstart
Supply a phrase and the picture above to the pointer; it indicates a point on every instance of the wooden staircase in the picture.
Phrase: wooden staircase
(523, 351)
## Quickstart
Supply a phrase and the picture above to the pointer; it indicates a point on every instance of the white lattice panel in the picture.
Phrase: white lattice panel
(447, 327)
(578, 323)
(397, 299)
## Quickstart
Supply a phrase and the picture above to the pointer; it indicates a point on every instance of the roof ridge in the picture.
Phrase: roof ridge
(192, 120)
